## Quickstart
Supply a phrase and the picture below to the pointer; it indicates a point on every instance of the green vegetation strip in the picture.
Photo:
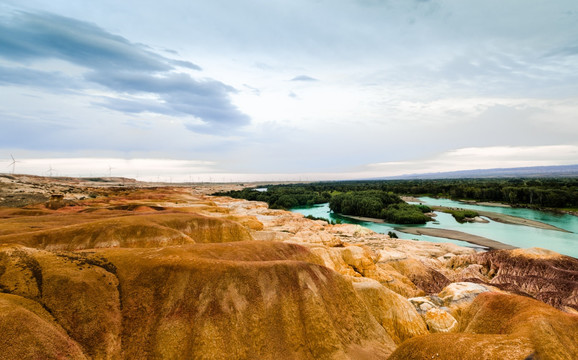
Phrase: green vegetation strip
(380, 199)
(554, 193)
(461, 215)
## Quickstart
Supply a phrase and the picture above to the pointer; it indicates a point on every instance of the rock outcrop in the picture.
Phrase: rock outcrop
(442, 311)
(424, 277)
(395, 313)
(501, 326)
(440, 321)
(542, 274)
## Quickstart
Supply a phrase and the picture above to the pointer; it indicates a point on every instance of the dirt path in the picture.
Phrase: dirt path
(457, 235)
(362, 218)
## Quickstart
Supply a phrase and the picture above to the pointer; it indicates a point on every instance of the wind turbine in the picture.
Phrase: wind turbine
(13, 164)
(110, 171)
(50, 170)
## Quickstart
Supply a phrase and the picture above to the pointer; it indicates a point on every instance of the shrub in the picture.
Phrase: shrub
(311, 217)
(424, 208)
(404, 214)
(461, 214)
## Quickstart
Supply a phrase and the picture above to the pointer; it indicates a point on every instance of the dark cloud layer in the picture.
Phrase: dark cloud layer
(36, 36)
(29, 77)
(180, 95)
(115, 63)
(304, 78)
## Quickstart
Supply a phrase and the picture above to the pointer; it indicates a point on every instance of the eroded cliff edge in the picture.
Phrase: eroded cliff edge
(170, 272)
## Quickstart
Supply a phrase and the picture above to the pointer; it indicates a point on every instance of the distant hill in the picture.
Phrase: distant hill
(534, 171)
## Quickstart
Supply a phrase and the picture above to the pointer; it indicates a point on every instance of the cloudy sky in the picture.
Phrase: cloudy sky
(237, 90)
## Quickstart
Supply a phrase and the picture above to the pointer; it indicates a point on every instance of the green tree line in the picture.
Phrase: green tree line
(529, 192)
(539, 193)
(380, 198)
(282, 196)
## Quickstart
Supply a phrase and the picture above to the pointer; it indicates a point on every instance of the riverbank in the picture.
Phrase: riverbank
(457, 235)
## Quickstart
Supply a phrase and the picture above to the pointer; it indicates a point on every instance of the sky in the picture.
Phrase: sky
(241, 90)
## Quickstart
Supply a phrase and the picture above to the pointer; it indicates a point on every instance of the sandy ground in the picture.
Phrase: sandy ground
(410, 199)
(362, 218)
(457, 235)
(17, 190)
(484, 203)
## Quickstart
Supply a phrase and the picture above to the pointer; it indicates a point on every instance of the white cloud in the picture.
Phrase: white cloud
(398, 82)
(471, 158)
(142, 169)
(482, 158)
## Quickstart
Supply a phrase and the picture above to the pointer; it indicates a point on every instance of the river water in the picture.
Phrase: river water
(516, 235)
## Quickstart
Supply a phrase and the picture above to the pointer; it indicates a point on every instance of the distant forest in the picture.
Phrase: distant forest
(380, 199)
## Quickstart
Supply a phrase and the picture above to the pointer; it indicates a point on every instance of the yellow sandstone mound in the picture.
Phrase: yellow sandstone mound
(501, 326)
(394, 312)
(28, 331)
(134, 231)
(213, 308)
(240, 300)
(440, 321)
(360, 261)
(81, 297)
(424, 277)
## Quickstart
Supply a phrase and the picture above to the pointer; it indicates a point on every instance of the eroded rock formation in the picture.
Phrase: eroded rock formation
(539, 273)
(501, 326)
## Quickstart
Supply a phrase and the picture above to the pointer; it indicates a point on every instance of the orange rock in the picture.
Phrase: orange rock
(29, 332)
(424, 277)
(82, 298)
(501, 326)
(394, 312)
(542, 274)
(441, 321)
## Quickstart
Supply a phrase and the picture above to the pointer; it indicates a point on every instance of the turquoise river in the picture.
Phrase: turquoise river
(516, 235)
